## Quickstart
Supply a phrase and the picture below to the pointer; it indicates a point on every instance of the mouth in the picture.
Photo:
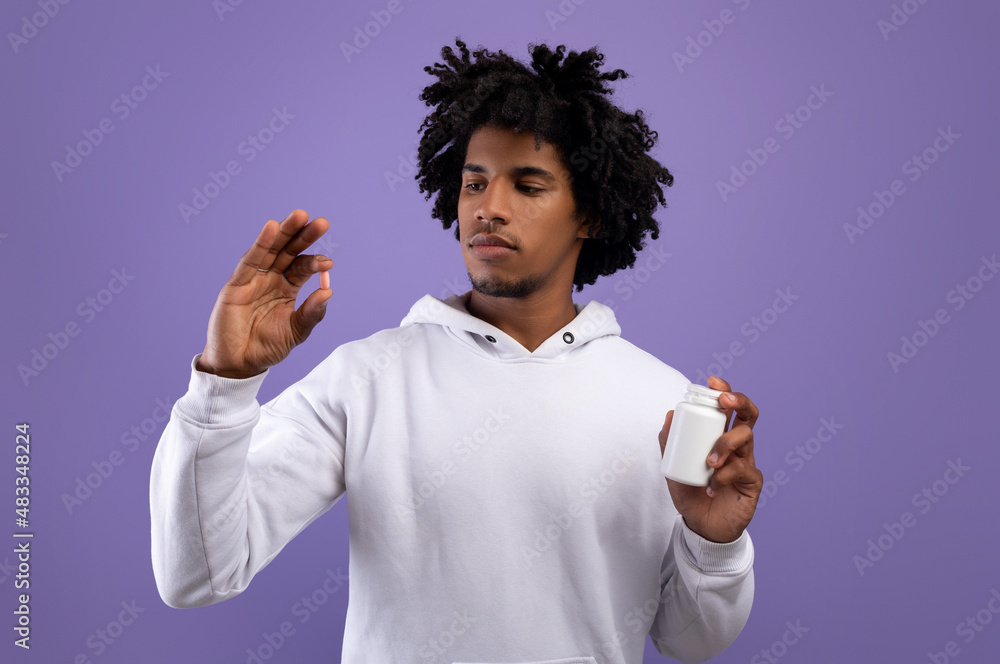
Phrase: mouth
(484, 240)
(490, 247)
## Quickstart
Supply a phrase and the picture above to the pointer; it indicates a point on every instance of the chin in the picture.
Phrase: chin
(519, 286)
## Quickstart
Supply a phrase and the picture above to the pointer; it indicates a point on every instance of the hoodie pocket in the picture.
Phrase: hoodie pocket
(566, 660)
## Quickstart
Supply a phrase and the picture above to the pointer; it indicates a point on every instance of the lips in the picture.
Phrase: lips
(490, 241)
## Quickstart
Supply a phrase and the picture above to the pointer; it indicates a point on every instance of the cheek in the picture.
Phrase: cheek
(532, 208)
(467, 206)
(464, 214)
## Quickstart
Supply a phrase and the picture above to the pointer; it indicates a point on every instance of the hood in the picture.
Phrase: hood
(592, 321)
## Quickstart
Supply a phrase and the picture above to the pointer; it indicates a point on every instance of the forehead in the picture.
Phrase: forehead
(498, 144)
(492, 149)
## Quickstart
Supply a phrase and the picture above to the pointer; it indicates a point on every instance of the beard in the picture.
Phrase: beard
(494, 287)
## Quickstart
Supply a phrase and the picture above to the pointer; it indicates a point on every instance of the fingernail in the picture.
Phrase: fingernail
(710, 492)
(731, 397)
(322, 305)
(713, 459)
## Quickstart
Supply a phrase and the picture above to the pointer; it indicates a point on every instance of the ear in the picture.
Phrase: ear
(589, 228)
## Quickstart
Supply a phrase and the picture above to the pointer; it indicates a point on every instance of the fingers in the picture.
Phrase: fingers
(732, 456)
(298, 236)
(278, 246)
(272, 238)
(257, 256)
(746, 411)
(717, 383)
(304, 267)
(665, 431)
(737, 471)
(733, 460)
(738, 442)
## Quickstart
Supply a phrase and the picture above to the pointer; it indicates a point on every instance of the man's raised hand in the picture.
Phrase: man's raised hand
(254, 324)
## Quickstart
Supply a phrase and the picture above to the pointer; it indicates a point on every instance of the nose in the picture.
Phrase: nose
(494, 203)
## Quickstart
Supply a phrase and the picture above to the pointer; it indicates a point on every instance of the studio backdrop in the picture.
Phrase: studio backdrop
(829, 246)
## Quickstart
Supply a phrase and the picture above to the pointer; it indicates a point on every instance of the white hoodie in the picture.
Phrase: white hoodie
(505, 505)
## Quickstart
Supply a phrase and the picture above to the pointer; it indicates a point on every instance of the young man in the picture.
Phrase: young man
(498, 447)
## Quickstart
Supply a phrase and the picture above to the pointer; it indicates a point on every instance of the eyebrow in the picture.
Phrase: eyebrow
(517, 170)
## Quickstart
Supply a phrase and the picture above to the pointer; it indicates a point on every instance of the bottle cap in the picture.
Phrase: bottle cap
(703, 395)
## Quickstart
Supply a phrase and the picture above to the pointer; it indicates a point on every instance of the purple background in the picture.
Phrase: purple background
(826, 356)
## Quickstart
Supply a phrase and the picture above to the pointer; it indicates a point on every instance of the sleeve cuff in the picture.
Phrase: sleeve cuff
(218, 401)
(716, 557)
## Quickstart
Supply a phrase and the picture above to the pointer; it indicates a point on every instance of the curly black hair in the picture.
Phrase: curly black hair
(603, 148)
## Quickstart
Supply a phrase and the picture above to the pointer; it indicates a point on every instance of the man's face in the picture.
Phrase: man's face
(525, 197)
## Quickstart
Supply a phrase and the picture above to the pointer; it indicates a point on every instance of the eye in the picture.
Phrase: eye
(529, 189)
(473, 184)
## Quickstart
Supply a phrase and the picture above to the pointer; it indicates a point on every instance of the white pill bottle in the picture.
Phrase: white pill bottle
(697, 424)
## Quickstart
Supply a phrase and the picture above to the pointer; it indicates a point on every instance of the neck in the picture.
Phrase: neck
(530, 320)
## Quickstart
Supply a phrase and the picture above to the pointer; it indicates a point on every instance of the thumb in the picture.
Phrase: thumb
(311, 313)
(665, 431)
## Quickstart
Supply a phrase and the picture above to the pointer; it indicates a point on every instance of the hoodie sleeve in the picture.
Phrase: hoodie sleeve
(232, 482)
(707, 592)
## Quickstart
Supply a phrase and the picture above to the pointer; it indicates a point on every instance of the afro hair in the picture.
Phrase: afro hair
(563, 102)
